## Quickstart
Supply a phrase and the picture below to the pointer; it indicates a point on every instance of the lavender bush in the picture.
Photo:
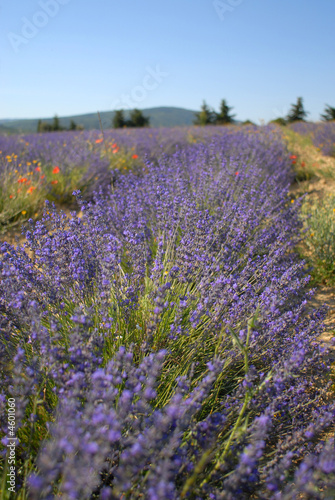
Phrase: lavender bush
(322, 135)
(158, 347)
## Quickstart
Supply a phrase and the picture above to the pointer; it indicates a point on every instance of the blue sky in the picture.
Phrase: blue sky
(77, 56)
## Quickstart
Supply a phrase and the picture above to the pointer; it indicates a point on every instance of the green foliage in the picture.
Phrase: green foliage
(224, 116)
(329, 114)
(297, 112)
(206, 116)
(119, 119)
(248, 122)
(137, 119)
(321, 239)
(17, 202)
(55, 126)
(279, 121)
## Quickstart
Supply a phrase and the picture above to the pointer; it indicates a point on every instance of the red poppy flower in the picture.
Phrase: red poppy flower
(56, 170)
(37, 169)
(54, 182)
(98, 141)
(236, 173)
(134, 157)
(293, 157)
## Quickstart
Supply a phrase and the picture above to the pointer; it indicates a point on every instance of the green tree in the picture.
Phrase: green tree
(279, 121)
(297, 112)
(248, 122)
(224, 116)
(137, 119)
(329, 114)
(73, 125)
(44, 126)
(118, 119)
(206, 115)
(55, 124)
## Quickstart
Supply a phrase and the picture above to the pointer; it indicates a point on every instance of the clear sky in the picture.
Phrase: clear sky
(78, 56)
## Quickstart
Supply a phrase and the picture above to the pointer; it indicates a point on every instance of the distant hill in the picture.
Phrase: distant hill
(159, 117)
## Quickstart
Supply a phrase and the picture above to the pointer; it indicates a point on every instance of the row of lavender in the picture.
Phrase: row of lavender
(322, 135)
(158, 347)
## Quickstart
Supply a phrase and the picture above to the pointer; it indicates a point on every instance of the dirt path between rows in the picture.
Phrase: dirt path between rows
(316, 189)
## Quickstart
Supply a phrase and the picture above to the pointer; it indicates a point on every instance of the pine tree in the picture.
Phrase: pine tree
(137, 119)
(329, 114)
(55, 125)
(73, 125)
(118, 119)
(224, 115)
(206, 116)
(297, 112)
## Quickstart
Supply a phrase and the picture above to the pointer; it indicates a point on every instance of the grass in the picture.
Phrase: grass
(315, 173)
(200, 343)
(320, 241)
(309, 162)
(23, 190)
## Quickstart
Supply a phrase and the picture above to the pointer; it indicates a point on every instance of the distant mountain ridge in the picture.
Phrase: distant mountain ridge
(159, 117)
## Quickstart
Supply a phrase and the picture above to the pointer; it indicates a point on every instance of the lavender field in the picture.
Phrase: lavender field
(321, 134)
(156, 340)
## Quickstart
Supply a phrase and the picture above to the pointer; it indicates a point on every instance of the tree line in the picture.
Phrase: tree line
(136, 119)
(208, 116)
(55, 126)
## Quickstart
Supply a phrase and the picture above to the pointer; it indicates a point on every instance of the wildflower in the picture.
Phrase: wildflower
(24, 212)
(303, 164)
(293, 157)
(54, 182)
(134, 157)
(98, 141)
(31, 189)
(11, 196)
(294, 161)
(56, 170)
(42, 176)
(23, 179)
(292, 201)
(37, 169)
(236, 173)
